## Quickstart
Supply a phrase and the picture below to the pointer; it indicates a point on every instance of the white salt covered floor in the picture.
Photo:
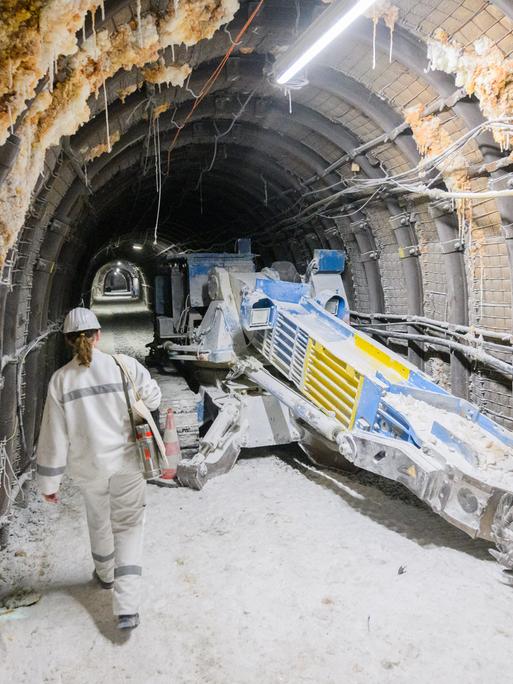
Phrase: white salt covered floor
(270, 574)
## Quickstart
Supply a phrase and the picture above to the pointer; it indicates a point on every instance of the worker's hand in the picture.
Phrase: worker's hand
(51, 498)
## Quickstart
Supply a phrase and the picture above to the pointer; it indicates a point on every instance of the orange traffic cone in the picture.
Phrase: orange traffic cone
(172, 445)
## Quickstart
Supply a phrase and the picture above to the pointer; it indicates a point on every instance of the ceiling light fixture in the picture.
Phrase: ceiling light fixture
(322, 32)
(137, 247)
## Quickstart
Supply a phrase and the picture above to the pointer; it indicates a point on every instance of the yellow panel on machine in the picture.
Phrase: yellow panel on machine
(384, 360)
(331, 384)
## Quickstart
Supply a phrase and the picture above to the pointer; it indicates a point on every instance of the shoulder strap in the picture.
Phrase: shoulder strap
(124, 371)
(127, 395)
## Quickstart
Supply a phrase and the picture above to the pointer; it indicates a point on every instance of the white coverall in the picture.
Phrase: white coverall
(86, 428)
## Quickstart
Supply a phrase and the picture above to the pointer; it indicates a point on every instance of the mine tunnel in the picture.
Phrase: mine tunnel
(297, 217)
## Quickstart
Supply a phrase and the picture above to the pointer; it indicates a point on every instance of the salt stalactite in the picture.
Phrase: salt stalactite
(83, 33)
(175, 4)
(93, 22)
(390, 17)
(10, 74)
(173, 53)
(139, 32)
(390, 14)
(102, 9)
(106, 115)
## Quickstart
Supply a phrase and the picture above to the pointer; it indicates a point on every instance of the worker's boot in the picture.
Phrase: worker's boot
(128, 621)
(102, 583)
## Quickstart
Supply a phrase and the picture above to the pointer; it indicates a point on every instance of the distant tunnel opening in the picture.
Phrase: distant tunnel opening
(118, 283)
(120, 280)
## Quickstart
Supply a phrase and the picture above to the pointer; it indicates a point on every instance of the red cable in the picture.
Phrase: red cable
(211, 80)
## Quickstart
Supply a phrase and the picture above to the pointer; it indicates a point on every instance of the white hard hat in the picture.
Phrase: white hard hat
(80, 319)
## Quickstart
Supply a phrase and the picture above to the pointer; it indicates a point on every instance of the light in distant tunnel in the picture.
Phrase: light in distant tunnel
(137, 247)
(322, 32)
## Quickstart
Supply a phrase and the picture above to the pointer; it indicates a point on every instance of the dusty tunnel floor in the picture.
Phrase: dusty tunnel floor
(270, 574)
(126, 328)
(273, 573)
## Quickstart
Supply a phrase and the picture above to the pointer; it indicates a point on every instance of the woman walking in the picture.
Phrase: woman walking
(86, 428)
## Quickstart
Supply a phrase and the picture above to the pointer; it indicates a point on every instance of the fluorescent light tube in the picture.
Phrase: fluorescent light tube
(327, 37)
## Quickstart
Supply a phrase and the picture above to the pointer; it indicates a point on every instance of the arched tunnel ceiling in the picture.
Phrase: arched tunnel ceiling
(99, 108)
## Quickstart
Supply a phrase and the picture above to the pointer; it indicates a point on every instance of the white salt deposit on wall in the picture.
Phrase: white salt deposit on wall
(481, 70)
(63, 111)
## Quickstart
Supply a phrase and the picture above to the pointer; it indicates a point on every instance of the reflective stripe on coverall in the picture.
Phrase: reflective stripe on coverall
(86, 430)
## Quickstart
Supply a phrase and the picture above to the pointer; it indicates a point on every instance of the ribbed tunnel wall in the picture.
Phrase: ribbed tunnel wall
(252, 160)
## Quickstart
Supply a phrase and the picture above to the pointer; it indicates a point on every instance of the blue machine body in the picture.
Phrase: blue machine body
(386, 415)
(347, 373)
